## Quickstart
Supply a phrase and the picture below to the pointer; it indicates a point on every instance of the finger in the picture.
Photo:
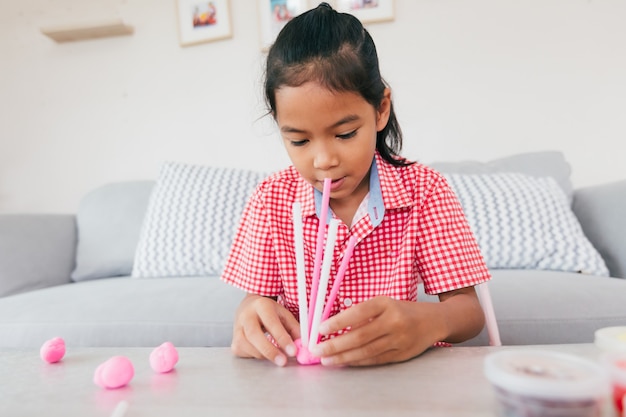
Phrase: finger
(356, 345)
(371, 354)
(262, 344)
(389, 356)
(287, 333)
(379, 351)
(241, 347)
(292, 325)
(354, 317)
(281, 326)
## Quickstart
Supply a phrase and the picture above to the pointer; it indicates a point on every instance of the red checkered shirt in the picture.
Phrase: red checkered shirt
(423, 236)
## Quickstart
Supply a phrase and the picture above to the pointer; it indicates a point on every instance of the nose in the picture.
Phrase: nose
(325, 157)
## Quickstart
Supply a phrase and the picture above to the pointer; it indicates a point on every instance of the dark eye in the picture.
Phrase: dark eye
(347, 135)
(299, 142)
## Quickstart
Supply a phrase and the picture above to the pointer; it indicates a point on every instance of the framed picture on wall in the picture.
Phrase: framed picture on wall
(274, 14)
(367, 11)
(203, 21)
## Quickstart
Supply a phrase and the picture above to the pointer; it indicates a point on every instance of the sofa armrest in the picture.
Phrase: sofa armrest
(36, 251)
(601, 211)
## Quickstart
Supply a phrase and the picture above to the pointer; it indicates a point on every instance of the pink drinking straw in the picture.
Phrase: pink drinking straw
(339, 278)
(490, 315)
(319, 252)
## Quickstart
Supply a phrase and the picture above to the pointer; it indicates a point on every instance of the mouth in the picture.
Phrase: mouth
(335, 183)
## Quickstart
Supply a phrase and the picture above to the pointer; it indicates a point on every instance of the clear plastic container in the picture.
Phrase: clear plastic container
(616, 365)
(611, 339)
(536, 383)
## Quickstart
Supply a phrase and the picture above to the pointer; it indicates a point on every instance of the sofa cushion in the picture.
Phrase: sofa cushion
(525, 222)
(191, 220)
(123, 312)
(600, 210)
(36, 251)
(109, 220)
(550, 307)
(532, 307)
(537, 164)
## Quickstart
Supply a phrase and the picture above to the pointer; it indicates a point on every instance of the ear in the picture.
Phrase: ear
(384, 110)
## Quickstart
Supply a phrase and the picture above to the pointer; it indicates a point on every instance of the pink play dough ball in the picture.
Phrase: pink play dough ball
(53, 350)
(304, 357)
(114, 373)
(163, 358)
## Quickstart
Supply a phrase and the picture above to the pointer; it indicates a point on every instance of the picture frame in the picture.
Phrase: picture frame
(368, 11)
(274, 14)
(202, 21)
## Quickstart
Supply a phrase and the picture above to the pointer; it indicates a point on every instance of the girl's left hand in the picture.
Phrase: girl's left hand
(384, 330)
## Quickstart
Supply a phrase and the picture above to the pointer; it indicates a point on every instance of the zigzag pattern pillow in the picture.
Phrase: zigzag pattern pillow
(191, 220)
(525, 222)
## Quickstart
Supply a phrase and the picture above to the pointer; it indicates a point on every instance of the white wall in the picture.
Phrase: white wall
(471, 79)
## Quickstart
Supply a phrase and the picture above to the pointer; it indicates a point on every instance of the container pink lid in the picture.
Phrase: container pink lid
(546, 374)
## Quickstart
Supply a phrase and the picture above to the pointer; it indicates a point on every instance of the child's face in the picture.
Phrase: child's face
(331, 135)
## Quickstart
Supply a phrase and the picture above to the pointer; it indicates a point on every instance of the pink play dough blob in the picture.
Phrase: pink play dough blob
(163, 358)
(304, 357)
(114, 373)
(53, 350)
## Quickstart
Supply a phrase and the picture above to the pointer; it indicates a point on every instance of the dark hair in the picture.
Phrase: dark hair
(335, 50)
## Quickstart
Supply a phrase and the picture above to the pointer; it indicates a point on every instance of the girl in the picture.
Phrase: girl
(335, 114)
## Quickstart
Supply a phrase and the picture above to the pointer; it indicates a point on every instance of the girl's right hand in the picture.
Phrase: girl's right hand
(259, 320)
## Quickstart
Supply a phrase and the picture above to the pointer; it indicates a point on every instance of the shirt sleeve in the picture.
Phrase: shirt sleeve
(448, 255)
(251, 264)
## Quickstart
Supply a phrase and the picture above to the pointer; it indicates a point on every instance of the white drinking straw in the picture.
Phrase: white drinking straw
(319, 248)
(120, 409)
(323, 282)
(298, 231)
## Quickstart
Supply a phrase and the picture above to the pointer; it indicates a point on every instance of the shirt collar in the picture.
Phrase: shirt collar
(395, 192)
(375, 206)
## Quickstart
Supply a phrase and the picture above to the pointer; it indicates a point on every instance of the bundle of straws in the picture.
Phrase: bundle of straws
(315, 312)
(312, 315)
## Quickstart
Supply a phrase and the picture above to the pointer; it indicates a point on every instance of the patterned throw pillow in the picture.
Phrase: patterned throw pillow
(191, 220)
(525, 222)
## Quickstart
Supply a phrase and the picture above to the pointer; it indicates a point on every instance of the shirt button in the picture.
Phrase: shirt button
(347, 302)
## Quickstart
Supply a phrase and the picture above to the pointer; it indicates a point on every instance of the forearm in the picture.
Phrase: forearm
(461, 314)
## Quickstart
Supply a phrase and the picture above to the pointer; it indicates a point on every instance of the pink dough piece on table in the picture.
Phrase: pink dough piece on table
(163, 358)
(304, 356)
(53, 350)
(114, 373)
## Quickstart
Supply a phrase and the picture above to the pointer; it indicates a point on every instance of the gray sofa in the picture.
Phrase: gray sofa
(100, 278)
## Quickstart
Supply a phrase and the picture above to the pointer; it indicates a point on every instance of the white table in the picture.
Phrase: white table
(211, 382)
